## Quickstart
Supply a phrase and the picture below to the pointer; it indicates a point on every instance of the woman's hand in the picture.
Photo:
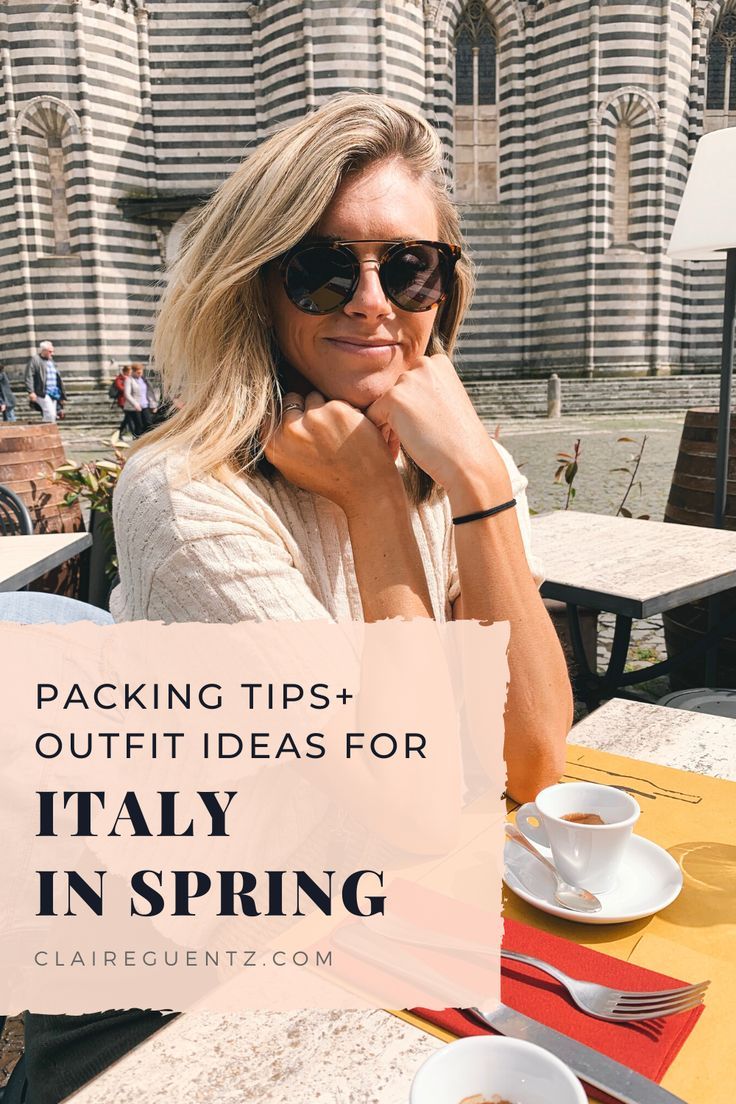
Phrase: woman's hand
(429, 412)
(332, 449)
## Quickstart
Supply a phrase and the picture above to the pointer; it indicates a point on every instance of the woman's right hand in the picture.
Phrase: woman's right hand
(332, 449)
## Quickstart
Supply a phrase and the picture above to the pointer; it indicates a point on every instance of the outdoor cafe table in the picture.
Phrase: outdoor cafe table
(23, 559)
(370, 1057)
(631, 568)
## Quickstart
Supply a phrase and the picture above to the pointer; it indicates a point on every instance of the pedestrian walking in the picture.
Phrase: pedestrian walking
(147, 397)
(117, 393)
(132, 404)
(44, 384)
(7, 398)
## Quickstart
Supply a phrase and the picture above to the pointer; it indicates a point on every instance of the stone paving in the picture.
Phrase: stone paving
(534, 444)
(600, 489)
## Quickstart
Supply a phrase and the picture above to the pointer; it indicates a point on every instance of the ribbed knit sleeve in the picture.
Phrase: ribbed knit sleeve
(239, 548)
(201, 550)
(237, 577)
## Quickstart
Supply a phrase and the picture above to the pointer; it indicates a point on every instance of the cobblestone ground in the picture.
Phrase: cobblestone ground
(600, 489)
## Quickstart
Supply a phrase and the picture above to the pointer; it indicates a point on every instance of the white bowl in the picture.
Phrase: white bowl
(500, 1068)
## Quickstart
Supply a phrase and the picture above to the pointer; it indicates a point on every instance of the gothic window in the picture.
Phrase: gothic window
(45, 143)
(720, 100)
(476, 111)
(628, 141)
(57, 186)
(622, 185)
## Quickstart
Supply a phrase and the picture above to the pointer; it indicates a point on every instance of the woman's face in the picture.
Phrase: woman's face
(358, 352)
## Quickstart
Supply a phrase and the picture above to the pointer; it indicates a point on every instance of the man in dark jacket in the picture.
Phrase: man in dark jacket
(44, 384)
(7, 398)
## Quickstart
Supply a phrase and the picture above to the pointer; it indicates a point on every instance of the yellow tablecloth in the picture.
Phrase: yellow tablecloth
(694, 818)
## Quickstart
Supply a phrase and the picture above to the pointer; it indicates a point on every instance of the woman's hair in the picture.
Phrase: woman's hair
(213, 344)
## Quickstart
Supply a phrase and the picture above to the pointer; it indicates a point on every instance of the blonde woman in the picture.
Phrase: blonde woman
(324, 444)
(308, 328)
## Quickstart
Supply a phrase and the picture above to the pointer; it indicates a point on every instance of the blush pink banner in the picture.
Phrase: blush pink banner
(232, 817)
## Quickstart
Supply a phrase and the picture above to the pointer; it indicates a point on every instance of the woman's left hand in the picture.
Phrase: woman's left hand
(428, 410)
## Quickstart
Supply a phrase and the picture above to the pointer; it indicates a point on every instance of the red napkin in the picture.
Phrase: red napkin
(649, 1047)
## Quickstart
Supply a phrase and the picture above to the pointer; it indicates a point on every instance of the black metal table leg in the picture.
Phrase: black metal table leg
(591, 687)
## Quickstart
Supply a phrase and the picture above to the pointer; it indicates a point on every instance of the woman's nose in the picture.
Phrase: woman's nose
(369, 299)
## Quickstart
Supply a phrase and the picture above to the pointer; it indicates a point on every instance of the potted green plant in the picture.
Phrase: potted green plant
(92, 483)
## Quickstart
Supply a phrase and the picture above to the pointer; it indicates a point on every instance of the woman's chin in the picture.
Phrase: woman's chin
(364, 391)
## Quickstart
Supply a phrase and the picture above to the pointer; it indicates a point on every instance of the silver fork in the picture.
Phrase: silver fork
(619, 1005)
(616, 1005)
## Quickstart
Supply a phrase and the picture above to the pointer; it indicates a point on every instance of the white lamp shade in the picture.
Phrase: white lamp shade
(706, 222)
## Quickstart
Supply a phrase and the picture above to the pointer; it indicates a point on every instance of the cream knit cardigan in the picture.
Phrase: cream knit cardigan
(255, 549)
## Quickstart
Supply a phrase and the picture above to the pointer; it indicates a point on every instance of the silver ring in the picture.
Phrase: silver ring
(293, 406)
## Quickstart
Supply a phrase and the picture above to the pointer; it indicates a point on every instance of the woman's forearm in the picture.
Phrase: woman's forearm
(496, 584)
(388, 564)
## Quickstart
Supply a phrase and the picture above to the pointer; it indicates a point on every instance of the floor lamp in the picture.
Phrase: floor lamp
(706, 226)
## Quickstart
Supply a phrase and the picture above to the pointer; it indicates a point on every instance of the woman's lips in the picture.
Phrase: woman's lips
(362, 350)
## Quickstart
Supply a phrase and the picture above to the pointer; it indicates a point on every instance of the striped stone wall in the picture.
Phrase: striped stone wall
(73, 70)
(147, 107)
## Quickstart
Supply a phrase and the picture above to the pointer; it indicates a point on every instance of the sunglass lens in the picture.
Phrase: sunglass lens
(319, 280)
(416, 277)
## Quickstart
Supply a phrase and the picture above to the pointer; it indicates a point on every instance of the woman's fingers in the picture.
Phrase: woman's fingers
(314, 401)
(292, 406)
(391, 440)
(394, 445)
(377, 412)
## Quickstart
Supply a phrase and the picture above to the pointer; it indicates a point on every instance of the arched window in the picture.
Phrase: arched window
(720, 100)
(46, 137)
(628, 123)
(621, 222)
(476, 111)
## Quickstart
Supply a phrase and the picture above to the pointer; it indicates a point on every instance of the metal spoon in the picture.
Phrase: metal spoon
(569, 896)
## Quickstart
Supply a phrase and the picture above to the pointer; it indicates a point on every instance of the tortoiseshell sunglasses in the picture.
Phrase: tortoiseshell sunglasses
(322, 276)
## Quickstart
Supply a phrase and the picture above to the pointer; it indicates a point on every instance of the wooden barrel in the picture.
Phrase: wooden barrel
(28, 457)
(690, 502)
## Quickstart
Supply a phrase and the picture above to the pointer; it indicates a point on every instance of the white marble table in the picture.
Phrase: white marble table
(25, 559)
(630, 567)
(359, 1057)
(633, 569)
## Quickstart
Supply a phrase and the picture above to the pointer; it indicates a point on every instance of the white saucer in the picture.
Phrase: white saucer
(649, 880)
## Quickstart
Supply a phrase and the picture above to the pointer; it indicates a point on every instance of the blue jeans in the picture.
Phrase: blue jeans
(9, 414)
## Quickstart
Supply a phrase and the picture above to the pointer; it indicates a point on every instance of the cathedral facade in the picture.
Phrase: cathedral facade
(569, 128)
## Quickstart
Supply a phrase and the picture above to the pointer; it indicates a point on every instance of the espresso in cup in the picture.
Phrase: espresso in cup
(583, 818)
(587, 828)
(481, 1098)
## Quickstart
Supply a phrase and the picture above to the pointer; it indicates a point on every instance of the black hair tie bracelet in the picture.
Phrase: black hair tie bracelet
(484, 513)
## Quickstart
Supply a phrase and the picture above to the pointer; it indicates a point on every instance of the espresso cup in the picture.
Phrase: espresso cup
(495, 1068)
(586, 855)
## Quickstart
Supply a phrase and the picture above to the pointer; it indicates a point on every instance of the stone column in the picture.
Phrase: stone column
(662, 261)
(593, 155)
(527, 99)
(308, 55)
(261, 113)
(381, 46)
(144, 69)
(87, 143)
(430, 16)
(25, 291)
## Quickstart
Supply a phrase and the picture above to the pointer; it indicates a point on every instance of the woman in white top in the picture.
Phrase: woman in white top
(325, 442)
(132, 403)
